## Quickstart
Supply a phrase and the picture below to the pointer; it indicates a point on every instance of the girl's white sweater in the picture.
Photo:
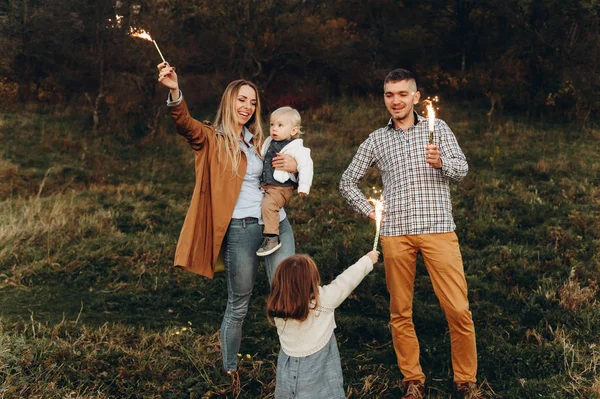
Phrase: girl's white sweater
(305, 338)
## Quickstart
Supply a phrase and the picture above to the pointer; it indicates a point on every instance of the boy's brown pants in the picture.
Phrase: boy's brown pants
(442, 258)
(275, 198)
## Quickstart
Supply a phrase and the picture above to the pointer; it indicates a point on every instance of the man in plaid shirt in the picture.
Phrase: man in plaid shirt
(417, 218)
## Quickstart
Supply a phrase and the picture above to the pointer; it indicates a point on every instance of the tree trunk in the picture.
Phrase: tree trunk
(156, 122)
(491, 111)
(95, 104)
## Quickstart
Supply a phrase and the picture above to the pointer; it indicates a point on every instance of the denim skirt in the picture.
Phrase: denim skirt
(318, 376)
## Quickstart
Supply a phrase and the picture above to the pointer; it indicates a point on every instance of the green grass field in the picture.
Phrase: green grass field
(90, 306)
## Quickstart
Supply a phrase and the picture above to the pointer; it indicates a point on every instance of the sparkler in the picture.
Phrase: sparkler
(142, 34)
(431, 116)
(378, 204)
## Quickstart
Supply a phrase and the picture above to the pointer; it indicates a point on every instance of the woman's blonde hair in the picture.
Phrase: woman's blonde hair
(226, 122)
(294, 118)
(295, 284)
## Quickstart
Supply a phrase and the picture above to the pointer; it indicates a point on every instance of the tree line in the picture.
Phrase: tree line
(534, 56)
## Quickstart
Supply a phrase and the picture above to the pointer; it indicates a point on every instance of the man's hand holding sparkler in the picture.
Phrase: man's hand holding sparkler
(168, 77)
(432, 157)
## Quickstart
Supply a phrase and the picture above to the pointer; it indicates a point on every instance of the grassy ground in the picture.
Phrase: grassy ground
(91, 308)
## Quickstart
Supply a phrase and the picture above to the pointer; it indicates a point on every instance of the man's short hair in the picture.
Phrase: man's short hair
(398, 75)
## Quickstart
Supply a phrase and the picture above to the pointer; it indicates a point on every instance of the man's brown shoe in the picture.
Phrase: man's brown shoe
(414, 390)
(469, 390)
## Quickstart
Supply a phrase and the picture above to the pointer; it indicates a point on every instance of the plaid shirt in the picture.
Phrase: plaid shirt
(416, 197)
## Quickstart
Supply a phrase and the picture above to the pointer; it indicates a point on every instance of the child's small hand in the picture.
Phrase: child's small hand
(303, 194)
(374, 256)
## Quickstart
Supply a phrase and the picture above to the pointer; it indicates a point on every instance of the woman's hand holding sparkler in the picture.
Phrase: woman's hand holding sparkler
(433, 156)
(374, 256)
(168, 77)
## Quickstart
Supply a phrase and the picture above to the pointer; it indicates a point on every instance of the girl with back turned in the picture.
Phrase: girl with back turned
(309, 364)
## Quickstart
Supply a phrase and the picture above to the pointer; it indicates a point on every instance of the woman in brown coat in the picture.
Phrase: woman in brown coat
(226, 203)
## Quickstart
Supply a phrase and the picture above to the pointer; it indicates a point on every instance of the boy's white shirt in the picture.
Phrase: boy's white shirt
(304, 338)
(301, 154)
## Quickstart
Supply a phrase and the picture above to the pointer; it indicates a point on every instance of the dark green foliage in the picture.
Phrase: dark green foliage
(533, 57)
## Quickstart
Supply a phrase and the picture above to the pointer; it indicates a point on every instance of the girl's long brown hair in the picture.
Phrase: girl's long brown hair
(295, 285)
(225, 121)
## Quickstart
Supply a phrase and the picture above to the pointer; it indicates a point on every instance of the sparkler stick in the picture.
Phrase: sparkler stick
(376, 238)
(159, 53)
(142, 34)
(378, 204)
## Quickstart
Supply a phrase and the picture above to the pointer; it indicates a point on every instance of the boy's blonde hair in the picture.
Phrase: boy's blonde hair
(294, 116)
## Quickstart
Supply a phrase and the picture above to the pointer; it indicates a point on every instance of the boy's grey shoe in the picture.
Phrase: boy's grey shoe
(268, 246)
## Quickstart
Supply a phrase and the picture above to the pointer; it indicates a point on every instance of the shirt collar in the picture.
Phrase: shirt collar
(418, 119)
(248, 136)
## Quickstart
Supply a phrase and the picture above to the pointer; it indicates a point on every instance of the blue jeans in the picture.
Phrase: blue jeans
(242, 240)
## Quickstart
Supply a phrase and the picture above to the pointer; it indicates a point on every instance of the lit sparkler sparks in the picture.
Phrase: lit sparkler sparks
(378, 204)
(142, 34)
(431, 116)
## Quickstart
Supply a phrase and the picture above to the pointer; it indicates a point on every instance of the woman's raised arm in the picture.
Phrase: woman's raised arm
(191, 129)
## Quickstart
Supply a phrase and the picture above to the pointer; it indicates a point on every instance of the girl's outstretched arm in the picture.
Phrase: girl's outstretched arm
(332, 295)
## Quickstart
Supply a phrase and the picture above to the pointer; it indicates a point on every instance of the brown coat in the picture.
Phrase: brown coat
(215, 194)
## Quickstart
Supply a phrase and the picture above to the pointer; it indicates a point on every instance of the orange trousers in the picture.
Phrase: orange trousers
(275, 198)
(442, 258)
